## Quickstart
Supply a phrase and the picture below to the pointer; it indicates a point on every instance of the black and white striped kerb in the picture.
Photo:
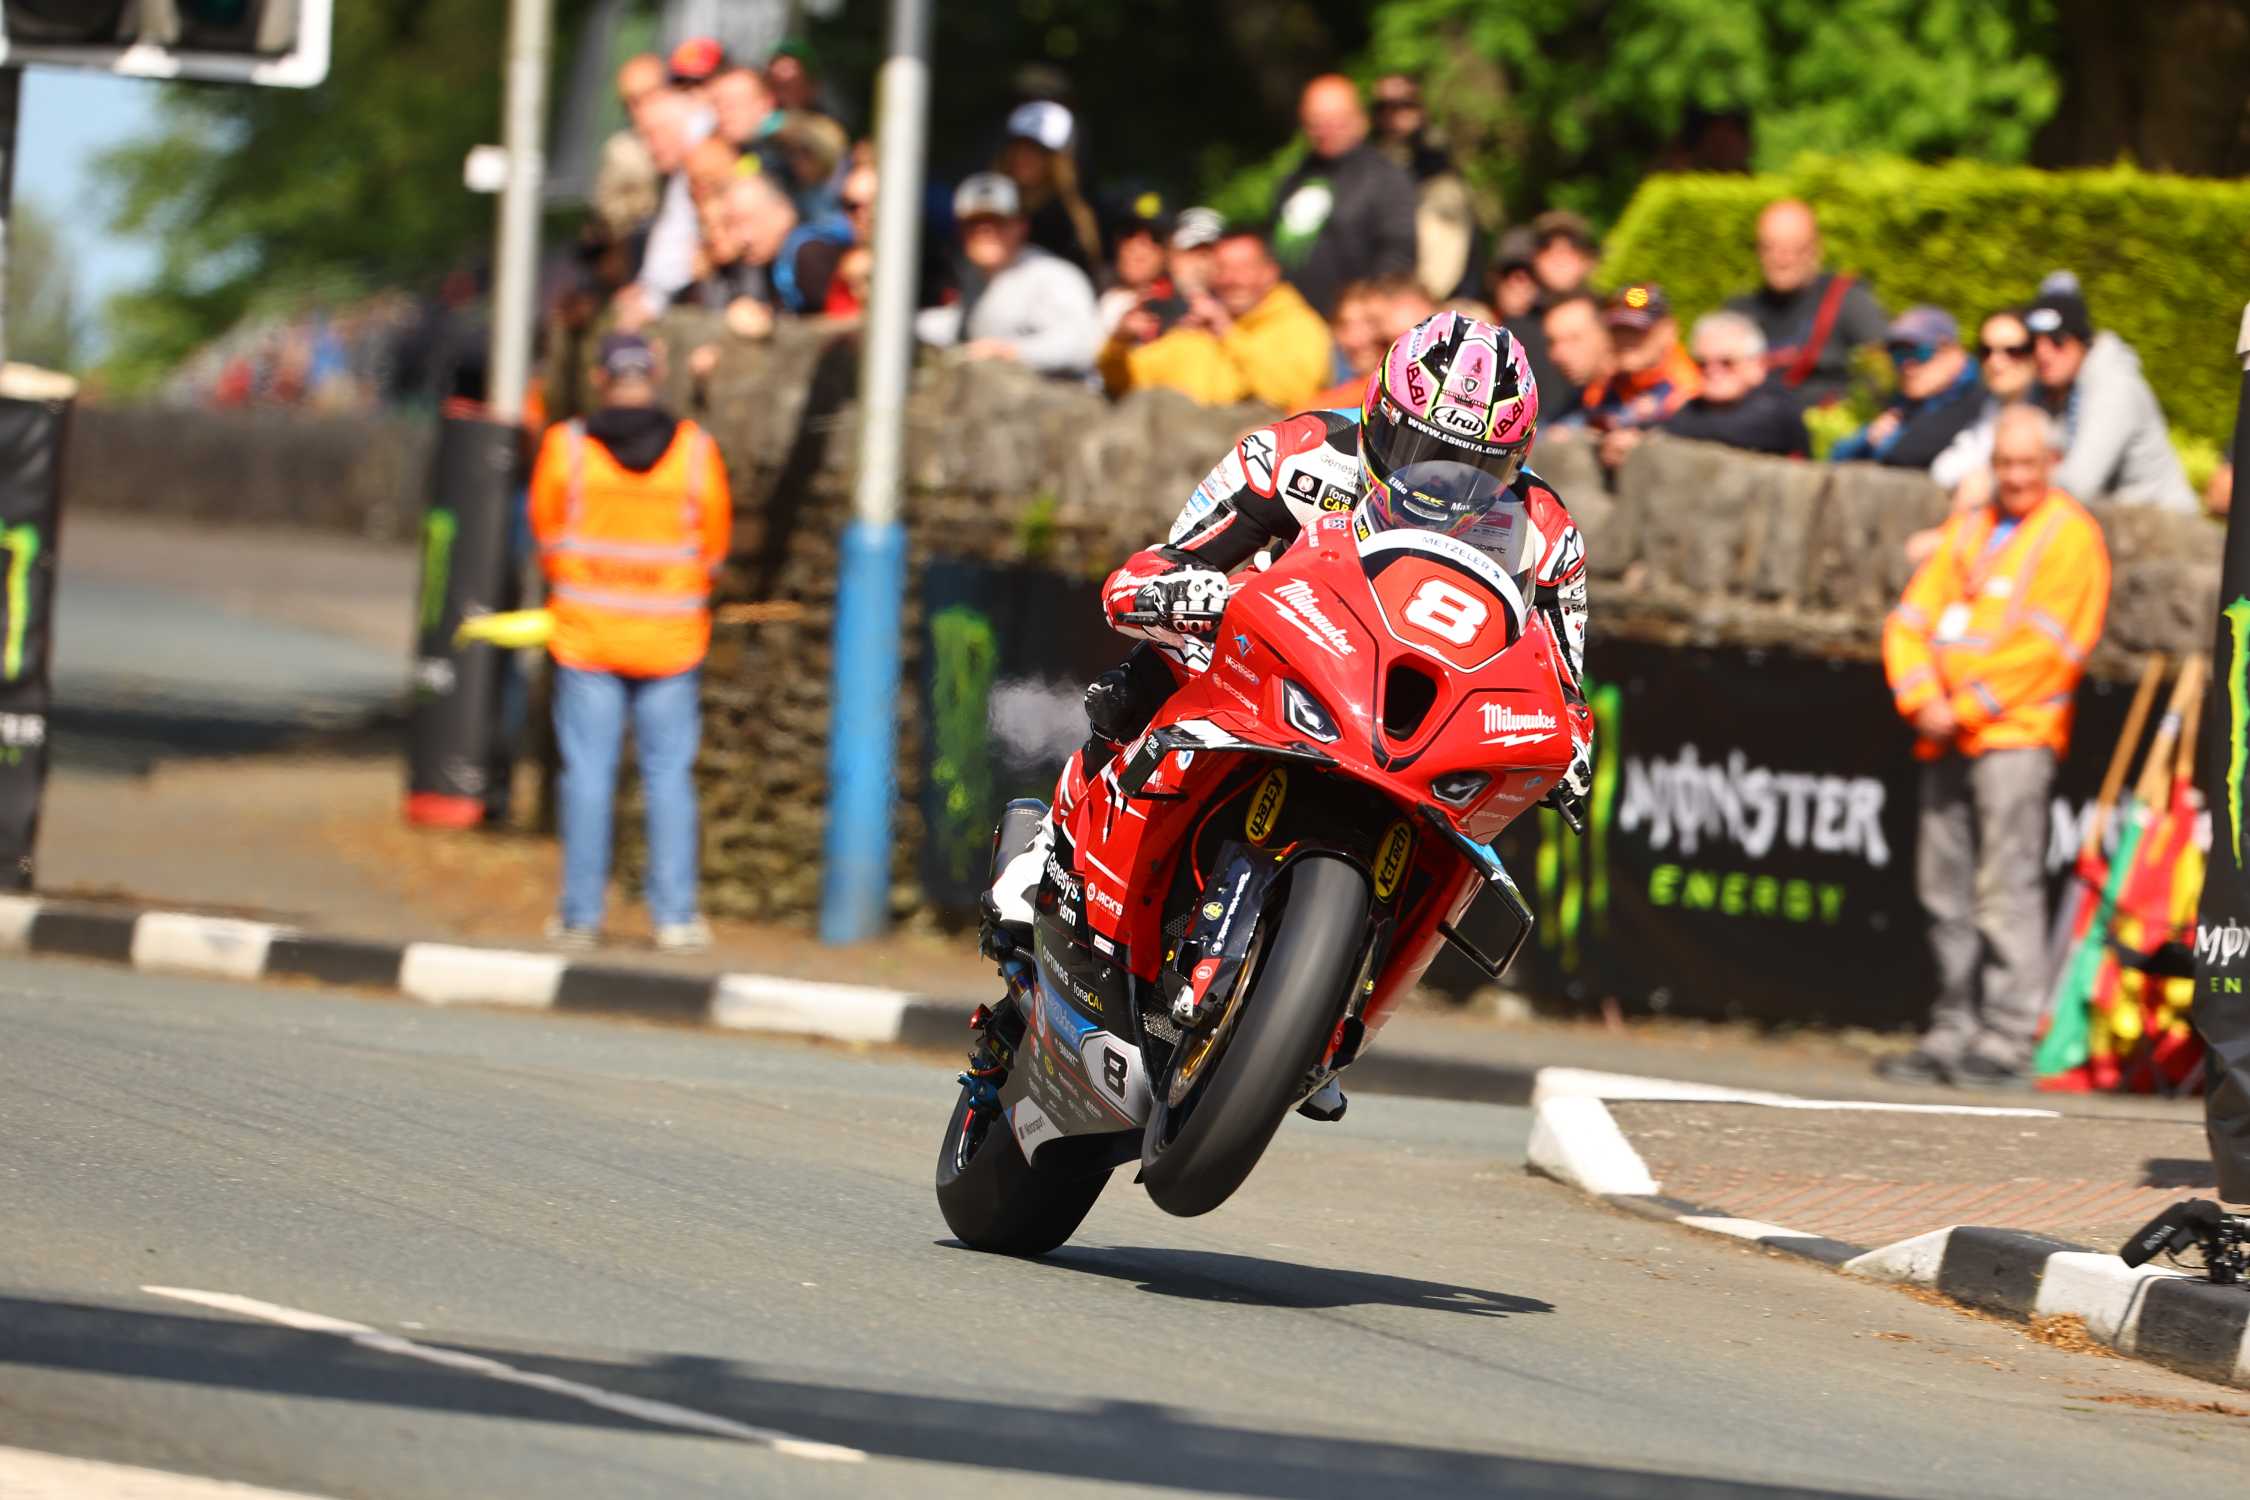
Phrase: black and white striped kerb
(2151, 1312)
(450, 974)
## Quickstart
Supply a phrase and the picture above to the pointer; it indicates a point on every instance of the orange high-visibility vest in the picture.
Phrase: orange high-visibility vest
(629, 556)
(2003, 632)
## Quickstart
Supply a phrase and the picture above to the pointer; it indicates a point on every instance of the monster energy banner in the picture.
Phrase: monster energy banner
(464, 573)
(1006, 656)
(2222, 934)
(1749, 849)
(31, 434)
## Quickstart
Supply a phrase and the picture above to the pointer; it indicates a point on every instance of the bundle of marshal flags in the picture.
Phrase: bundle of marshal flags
(2123, 938)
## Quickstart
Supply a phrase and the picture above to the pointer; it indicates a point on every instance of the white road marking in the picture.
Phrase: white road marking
(661, 1412)
(25, 1475)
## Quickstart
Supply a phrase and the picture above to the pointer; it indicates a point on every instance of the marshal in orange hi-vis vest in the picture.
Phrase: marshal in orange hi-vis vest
(629, 556)
(2002, 632)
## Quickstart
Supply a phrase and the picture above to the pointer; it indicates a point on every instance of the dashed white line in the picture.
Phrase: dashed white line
(661, 1412)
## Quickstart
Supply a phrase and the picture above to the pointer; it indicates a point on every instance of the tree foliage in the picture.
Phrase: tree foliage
(44, 327)
(1572, 102)
(256, 195)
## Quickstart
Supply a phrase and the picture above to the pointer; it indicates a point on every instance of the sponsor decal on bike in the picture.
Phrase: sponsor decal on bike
(1390, 859)
(1212, 911)
(1235, 666)
(1338, 497)
(1299, 603)
(1265, 805)
(1104, 900)
(1505, 724)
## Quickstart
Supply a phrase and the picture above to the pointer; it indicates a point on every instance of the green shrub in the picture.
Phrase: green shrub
(2161, 258)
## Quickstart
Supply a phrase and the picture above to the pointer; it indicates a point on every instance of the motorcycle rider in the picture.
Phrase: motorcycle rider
(1438, 443)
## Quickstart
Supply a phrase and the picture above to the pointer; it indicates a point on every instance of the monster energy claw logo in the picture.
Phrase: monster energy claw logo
(437, 564)
(2237, 616)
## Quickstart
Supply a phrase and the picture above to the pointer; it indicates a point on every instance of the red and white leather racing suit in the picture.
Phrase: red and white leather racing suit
(1275, 481)
(1260, 498)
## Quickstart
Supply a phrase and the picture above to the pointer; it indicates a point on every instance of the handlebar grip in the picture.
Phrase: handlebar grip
(1142, 617)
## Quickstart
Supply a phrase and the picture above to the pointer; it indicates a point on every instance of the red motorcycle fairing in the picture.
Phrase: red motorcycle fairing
(1405, 664)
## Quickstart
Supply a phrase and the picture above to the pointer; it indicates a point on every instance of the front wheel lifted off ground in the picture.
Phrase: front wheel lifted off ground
(1270, 1042)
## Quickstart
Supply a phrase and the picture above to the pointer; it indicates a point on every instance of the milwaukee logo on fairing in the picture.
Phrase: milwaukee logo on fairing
(1686, 800)
(1505, 724)
(1300, 604)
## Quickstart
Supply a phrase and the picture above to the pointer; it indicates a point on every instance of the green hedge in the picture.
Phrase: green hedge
(2165, 261)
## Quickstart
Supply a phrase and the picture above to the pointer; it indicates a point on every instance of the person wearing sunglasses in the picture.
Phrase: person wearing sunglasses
(1939, 393)
(2119, 445)
(2004, 362)
(1737, 407)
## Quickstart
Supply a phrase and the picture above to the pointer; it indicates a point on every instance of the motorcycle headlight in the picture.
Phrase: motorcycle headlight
(1305, 715)
(1458, 788)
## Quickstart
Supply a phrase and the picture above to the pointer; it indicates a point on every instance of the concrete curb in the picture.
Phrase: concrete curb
(433, 973)
(173, 942)
(2150, 1313)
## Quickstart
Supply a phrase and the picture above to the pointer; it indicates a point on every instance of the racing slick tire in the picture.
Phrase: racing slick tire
(995, 1200)
(1285, 1019)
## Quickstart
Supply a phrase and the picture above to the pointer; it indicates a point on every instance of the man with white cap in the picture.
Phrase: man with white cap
(1017, 302)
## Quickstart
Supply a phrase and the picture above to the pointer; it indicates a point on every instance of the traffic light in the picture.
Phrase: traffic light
(240, 41)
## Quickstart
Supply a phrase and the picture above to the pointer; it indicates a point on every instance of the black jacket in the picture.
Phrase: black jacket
(1339, 219)
(1787, 322)
(1765, 421)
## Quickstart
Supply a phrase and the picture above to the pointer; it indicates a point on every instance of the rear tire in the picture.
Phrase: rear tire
(995, 1200)
(1287, 1017)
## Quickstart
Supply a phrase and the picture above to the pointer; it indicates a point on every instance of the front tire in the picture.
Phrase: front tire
(1192, 1166)
(994, 1200)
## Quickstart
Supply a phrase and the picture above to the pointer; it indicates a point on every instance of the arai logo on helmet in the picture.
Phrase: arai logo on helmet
(1459, 419)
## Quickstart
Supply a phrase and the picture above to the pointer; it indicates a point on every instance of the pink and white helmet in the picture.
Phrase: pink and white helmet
(1446, 424)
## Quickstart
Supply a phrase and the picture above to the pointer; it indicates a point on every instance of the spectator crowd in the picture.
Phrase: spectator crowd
(740, 192)
(737, 189)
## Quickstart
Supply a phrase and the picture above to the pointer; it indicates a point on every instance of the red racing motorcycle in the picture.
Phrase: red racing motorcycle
(1247, 890)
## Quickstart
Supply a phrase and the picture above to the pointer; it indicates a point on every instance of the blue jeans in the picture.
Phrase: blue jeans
(590, 717)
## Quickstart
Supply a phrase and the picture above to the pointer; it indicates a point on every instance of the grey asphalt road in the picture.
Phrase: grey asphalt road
(419, 1253)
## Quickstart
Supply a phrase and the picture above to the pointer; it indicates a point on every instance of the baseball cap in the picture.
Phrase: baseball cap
(1637, 307)
(1561, 223)
(986, 195)
(1517, 247)
(1043, 121)
(627, 356)
(697, 60)
(1146, 214)
(1922, 325)
(1197, 227)
(2060, 315)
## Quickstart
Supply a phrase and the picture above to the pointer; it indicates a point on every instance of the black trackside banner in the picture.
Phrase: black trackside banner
(31, 445)
(2222, 932)
(1749, 845)
(464, 572)
(1006, 656)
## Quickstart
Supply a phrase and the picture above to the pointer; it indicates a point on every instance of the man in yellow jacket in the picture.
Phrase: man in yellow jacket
(1252, 337)
(632, 515)
(1984, 654)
